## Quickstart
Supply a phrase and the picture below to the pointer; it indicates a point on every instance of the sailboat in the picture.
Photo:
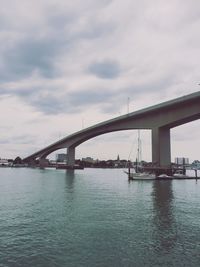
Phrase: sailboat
(138, 173)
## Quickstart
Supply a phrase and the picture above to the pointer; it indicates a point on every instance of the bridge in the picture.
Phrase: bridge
(158, 118)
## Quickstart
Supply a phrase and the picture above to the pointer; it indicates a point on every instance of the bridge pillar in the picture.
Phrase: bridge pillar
(31, 162)
(71, 156)
(43, 163)
(161, 150)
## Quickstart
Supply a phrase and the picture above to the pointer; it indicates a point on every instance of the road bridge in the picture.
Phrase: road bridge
(159, 119)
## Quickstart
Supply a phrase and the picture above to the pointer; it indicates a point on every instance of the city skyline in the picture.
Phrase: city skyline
(68, 66)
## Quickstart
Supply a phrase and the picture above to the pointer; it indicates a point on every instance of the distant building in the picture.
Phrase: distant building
(61, 157)
(117, 162)
(88, 159)
(181, 161)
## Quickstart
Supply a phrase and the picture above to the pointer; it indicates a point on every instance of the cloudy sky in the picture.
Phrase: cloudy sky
(67, 65)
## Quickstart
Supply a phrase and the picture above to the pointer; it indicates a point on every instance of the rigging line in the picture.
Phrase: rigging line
(132, 146)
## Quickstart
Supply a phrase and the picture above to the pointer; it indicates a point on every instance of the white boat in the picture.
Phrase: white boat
(140, 175)
(164, 175)
(180, 175)
(138, 172)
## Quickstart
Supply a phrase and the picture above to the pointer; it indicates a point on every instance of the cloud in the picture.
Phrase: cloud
(109, 97)
(87, 98)
(70, 58)
(106, 69)
(186, 132)
(37, 44)
(27, 57)
(21, 139)
(60, 102)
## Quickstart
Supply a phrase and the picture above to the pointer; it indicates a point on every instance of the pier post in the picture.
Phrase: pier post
(71, 156)
(161, 150)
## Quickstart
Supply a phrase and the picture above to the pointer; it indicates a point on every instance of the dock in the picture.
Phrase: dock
(165, 174)
(67, 167)
(166, 178)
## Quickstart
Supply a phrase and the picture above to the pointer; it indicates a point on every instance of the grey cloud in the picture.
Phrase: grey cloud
(97, 29)
(63, 26)
(30, 52)
(21, 139)
(52, 100)
(88, 96)
(186, 132)
(24, 139)
(50, 105)
(118, 98)
(106, 69)
(3, 23)
(40, 54)
(57, 21)
(111, 107)
(70, 103)
(157, 85)
(28, 56)
(42, 99)
(4, 141)
(45, 100)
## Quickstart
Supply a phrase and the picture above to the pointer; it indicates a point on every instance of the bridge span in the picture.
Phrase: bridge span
(158, 118)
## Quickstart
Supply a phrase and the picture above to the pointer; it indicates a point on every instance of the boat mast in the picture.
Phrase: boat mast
(139, 148)
(138, 153)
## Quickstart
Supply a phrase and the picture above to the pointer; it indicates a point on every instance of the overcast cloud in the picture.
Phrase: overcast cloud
(70, 64)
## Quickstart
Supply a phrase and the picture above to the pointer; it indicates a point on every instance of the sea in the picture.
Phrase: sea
(96, 217)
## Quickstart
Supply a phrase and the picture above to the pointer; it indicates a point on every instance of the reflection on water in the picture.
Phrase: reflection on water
(164, 219)
(70, 176)
(96, 218)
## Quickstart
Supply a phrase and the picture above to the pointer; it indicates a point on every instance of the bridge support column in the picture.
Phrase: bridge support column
(161, 150)
(31, 162)
(71, 156)
(43, 163)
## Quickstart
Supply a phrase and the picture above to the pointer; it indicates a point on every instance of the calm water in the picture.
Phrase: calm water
(96, 218)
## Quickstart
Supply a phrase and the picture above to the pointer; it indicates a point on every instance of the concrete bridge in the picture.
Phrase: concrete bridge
(159, 119)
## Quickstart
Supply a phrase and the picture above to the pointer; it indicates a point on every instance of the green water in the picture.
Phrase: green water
(95, 217)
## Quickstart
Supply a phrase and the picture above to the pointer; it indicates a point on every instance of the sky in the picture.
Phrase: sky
(67, 65)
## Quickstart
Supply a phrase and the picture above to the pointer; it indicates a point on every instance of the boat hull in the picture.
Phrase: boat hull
(147, 176)
(140, 176)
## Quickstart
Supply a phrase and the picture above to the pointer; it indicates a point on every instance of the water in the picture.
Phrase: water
(95, 217)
